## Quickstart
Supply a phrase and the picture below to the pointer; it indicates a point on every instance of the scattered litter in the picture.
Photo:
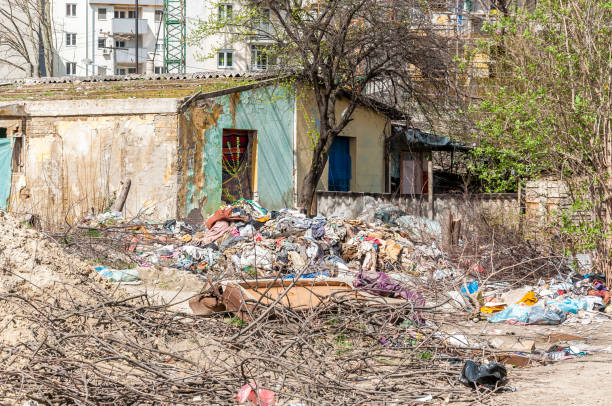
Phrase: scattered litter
(126, 276)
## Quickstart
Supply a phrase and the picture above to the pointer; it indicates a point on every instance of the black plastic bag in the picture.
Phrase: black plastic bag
(488, 375)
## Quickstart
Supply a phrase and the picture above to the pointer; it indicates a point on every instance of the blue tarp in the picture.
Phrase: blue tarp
(5, 171)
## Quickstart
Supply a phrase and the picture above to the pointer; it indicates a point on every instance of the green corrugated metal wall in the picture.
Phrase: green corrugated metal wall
(270, 112)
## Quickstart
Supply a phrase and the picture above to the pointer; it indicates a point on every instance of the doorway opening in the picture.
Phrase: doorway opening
(238, 163)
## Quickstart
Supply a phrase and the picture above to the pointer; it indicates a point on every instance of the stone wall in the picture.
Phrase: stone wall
(352, 205)
(543, 197)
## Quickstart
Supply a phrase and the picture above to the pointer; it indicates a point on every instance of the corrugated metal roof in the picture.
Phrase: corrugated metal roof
(130, 86)
(123, 78)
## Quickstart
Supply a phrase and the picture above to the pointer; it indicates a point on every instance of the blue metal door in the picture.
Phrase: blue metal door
(339, 175)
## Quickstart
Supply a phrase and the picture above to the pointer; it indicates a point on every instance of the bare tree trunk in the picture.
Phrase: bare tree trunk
(47, 38)
(309, 185)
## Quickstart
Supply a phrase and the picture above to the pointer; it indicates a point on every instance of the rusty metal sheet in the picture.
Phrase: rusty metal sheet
(242, 297)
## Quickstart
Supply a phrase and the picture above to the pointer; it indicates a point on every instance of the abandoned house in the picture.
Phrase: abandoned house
(186, 143)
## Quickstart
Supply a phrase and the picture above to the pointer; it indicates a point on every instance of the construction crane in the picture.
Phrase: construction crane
(174, 36)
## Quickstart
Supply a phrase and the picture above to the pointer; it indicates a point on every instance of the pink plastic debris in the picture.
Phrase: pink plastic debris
(259, 397)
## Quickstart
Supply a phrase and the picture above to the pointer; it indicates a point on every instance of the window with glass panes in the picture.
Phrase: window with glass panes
(225, 59)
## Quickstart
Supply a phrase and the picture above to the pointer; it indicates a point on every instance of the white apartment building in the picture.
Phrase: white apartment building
(218, 52)
(98, 37)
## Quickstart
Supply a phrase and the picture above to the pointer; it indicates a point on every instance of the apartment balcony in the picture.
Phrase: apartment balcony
(156, 3)
(127, 56)
(128, 26)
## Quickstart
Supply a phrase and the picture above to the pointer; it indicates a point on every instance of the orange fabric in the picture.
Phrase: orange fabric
(220, 214)
(492, 309)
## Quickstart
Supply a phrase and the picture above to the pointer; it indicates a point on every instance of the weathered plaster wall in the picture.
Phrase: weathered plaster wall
(268, 111)
(74, 163)
(199, 160)
(369, 129)
(90, 107)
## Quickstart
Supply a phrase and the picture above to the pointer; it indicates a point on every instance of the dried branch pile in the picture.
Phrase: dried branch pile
(114, 350)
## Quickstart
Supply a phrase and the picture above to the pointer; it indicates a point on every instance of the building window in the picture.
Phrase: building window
(101, 14)
(70, 40)
(119, 44)
(225, 11)
(225, 59)
(263, 22)
(101, 42)
(260, 57)
(131, 70)
(131, 13)
(159, 70)
(70, 10)
(119, 14)
(159, 47)
(120, 71)
(158, 15)
(70, 68)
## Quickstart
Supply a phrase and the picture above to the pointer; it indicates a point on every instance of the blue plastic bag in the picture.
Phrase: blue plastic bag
(472, 287)
(115, 275)
(545, 315)
(518, 312)
(569, 305)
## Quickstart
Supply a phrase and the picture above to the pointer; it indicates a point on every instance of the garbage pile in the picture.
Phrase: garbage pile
(246, 240)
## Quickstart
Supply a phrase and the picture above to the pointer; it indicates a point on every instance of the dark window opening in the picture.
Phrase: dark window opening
(2, 132)
(17, 154)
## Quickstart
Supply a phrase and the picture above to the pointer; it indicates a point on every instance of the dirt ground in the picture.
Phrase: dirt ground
(581, 381)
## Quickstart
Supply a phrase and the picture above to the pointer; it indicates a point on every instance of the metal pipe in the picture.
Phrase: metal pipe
(87, 5)
(137, 42)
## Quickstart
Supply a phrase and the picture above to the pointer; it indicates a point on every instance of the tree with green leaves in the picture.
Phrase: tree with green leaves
(548, 112)
(341, 48)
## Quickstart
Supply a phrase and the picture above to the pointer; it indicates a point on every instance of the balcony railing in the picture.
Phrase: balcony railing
(128, 55)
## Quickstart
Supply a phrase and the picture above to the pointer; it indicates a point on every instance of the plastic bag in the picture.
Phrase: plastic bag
(472, 287)
(487, 375)
(569, 305)
(546, 316)
(118, 275)
(517, 313)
